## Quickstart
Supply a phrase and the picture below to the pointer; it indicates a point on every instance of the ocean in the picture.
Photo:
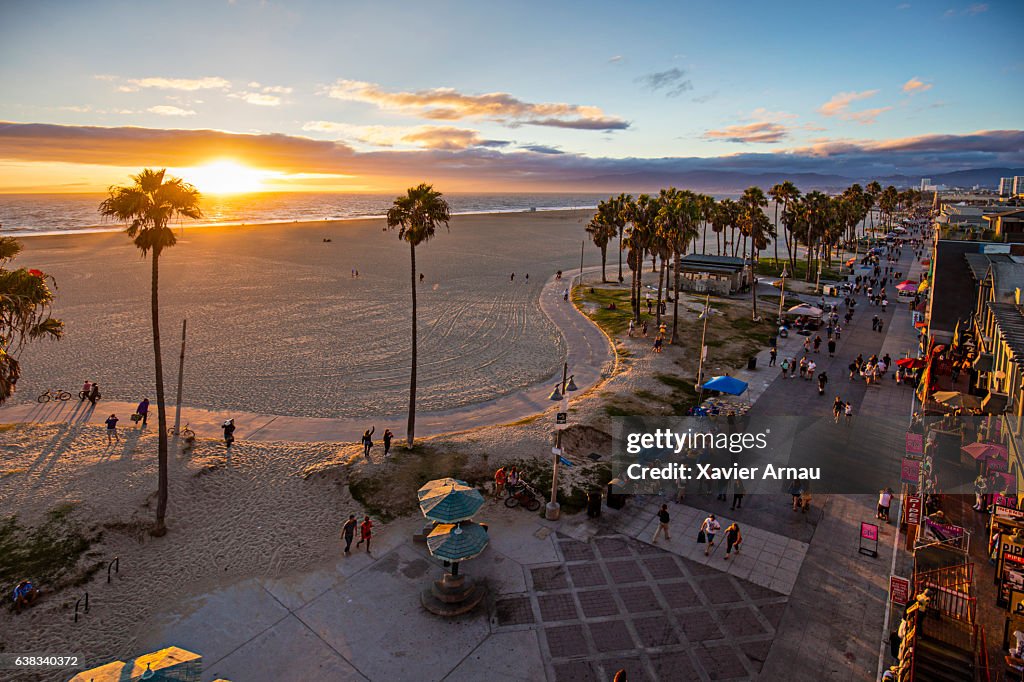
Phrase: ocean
(24, 214)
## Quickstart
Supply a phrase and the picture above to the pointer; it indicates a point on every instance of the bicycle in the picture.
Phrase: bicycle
(524, 495)
(186, 433)
(54, 394)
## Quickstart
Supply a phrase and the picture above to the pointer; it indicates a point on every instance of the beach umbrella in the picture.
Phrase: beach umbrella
(449, 500)
(457, 541)
(804, 309)
(725, 384)
(957, 400)
(923, 286)
(911, 363)
(907, 285)
(851, 261)
(979, 451)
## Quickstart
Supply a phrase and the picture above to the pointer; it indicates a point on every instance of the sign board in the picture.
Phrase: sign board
(995, 464)
(556, 451)
(561, 420)
(899, 590)
(914, 509)
(868, 539)
(1010, 514)
(1017, 602)
(1012, 578)
(910, 471)
(1005, 501)
(915, 443)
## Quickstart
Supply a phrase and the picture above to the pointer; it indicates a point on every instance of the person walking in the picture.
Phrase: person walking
(792, 368)
(837, 408)
(511, 480)
(884, 500)
(348, 532)
(663, 519)
(879, 326)
(632, 327)
(229, 432)
(112, 429)
(772, 355)
(785, 367)
(822, 380)
(365, 533)
(86, 390)
(708, 528)
(143, 411)
(499, 482)
(831, 348)
(733, 540)
(738, 491)
(94, 393)
(387, 438)
(367, 441)
(848, 409)
(817, 343)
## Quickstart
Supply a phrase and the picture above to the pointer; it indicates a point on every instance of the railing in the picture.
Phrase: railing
(984, 674)
(77, 603)
(116, 565)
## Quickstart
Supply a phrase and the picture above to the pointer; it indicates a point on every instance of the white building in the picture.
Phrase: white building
(1005, 187)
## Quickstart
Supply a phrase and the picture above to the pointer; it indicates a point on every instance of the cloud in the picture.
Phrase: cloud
(672, 82)
(616, 59)
(481, 167)
(448, 104)
(424, 136)
(839, 106)
(167, 110)
(257, 98)
(706, 97)
(977, 8)
(541, 149)
(765, 132)
(187, 84)
(916, 85)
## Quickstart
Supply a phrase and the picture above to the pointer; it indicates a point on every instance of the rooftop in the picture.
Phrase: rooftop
(1009, 319)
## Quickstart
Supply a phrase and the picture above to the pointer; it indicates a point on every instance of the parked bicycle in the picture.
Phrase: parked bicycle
(523, 495)
(186, 433)
(54, 394)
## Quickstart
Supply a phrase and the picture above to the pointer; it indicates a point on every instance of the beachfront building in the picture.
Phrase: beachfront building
(966, 221)
(1005, 187)
(708, 274)
(1007, 226)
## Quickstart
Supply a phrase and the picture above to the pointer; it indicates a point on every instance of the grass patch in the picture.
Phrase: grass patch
(769, 267)
(595, 304)
(616, 411)
(47, 554)
(538, 474)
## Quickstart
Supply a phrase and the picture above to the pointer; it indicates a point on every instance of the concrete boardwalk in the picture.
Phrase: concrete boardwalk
(589, 354)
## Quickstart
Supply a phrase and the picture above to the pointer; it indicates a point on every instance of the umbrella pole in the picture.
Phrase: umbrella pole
(455, 569)
(700, 363)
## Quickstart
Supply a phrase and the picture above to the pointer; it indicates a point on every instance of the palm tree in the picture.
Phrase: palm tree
(417, 214)
(602, 228)
(617, 214)
(872, 192)
(640, 213)
(754, 224)
(25, 301)
(706, 206)
(147, 206)
(677, 224)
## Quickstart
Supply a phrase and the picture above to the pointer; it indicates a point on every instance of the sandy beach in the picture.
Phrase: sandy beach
(278, 325)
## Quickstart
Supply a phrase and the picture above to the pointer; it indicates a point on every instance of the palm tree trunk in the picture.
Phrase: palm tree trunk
(411, 429)
(776, 238)
(661, 277)
(620, 255)
(704, 242)
(639, 280)
(604, 259)
(753, 284)
(162, 479)
(675, 299)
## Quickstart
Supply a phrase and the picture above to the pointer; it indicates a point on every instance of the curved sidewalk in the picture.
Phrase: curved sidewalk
(589, 354)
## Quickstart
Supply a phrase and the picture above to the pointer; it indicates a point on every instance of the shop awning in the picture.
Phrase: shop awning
(994, 403)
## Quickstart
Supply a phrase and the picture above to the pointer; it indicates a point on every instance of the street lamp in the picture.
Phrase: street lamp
(705, 315)
(782, 291)
(560, 394)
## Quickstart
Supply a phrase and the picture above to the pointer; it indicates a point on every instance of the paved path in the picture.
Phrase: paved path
(590, 356)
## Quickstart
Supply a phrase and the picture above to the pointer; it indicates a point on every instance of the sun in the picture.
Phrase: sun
(226, 177)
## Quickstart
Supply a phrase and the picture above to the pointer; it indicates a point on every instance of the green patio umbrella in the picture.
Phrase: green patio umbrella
(456, 542)
(449, 500)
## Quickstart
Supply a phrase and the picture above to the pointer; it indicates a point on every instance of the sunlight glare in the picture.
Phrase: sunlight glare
(226, 177)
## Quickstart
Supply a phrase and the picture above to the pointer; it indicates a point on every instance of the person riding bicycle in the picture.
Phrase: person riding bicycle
(86, 390)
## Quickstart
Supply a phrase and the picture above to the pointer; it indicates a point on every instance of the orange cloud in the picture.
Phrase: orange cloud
(424, 136)
(187, 84)
(451, 105)
(916, 85)
(766, 132)
(839, 106)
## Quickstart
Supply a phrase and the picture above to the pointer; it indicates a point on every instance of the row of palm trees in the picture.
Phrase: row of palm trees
(665, 226)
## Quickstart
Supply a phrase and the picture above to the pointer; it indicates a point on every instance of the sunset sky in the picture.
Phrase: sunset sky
(486, 95)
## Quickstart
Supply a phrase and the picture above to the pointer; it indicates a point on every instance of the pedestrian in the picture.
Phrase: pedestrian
(112, 429)
(513, 278)
(365, 533)
(143, 411)
(387, 438)
(229, 432)
(643, 328)
(811, 366)
(733, 539)
(848, 409)
(499, 482)
(632, 327)
(980, 488)
(879, 326)
(839, 331)
(367, 441)
(348, 532)
(785, 367)
(86, 390)
(807, 345)
(795, 490)
(94, 393)
(817, 343)
(663, 519)
(738, 491)
(805, 498)
(657, 344)
(831, 348)
(822, 380)
(708, 528)
(837, 408)
(772, 354)
(884, 500)
(792, 367)
(874, 323)
(511, 480)
(565, 295)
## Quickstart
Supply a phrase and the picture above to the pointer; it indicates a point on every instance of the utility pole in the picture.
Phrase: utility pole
(582, 244)
(782, 293)
(181, 377)
(703, 349)
(553, 509)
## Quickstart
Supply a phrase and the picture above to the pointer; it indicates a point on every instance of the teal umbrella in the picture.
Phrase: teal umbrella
(449, 500)
(456, 542)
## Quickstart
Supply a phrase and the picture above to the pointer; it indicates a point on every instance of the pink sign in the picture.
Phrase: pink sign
(869, 531)
(1006, 501)
(899, 590)
(910, 471)
(1006, 482)
(915, 443)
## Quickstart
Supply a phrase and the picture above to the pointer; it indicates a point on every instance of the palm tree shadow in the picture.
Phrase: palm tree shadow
(129, 440)
(52, 452)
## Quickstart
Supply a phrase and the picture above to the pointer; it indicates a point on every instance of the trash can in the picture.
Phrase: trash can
(752, 362)
(593, 504)
(615, 500)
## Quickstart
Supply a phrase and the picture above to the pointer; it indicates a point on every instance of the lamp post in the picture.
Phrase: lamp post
(560, 394)
(706, 314)
(782, 291)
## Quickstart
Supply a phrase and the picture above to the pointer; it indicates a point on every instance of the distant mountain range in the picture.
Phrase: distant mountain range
(733, 182)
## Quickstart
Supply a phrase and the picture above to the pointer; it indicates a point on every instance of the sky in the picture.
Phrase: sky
(362, 96)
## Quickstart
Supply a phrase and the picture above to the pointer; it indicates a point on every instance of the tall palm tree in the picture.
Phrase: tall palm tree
(25, 300)
(754, 224)
(640, 213)
(706, 206)
(617, 214)
(677, 223)
(416, 214)
(148, 206)
(872, 192)
(602, 228)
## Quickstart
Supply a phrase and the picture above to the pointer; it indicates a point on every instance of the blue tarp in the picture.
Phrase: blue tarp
(726, 384)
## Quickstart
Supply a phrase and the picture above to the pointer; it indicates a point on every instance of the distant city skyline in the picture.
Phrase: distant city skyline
(478, 96)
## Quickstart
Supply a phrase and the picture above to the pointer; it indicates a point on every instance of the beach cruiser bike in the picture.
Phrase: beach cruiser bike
(186, 433)
(524, 495)
(54, 395)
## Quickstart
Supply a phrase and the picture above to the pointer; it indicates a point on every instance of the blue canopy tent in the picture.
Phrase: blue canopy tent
(725, 384)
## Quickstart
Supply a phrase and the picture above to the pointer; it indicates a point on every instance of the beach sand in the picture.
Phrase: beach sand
(278, 325)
